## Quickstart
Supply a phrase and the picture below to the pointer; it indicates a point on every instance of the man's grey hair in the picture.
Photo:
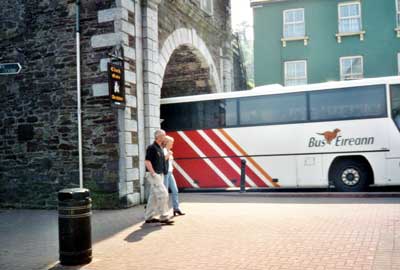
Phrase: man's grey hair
(158, 133)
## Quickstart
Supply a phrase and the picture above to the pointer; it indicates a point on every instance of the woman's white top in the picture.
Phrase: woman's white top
(170, 160)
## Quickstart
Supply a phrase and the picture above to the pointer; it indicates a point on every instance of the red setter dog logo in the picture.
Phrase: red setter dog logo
(330, 135)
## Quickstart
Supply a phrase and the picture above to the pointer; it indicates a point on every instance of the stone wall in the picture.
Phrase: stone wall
(38, 119)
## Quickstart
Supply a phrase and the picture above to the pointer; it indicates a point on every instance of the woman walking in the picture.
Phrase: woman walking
(169, 180)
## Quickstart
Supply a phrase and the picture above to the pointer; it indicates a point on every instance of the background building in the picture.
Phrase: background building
(170, 48)
(311, 41)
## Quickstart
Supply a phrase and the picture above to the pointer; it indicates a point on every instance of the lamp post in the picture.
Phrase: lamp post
(78, 84)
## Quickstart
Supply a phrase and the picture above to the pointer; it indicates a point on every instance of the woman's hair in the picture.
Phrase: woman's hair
(168, 139)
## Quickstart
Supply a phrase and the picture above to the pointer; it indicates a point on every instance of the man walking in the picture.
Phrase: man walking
(157, 167)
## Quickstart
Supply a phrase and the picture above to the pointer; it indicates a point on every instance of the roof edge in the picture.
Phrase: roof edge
(256, 3)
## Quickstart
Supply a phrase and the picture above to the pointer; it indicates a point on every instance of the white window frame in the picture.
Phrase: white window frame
(203, 6)
(398, 63)
(351, 17)
(353, 76)
(291, 23)
(295, 78)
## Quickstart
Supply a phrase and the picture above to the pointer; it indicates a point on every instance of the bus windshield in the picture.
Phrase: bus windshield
(395, 101)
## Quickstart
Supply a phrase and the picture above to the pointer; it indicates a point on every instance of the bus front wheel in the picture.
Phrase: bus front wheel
(350, 175)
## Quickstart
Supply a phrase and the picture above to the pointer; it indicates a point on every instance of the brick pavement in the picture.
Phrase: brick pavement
(255, 231)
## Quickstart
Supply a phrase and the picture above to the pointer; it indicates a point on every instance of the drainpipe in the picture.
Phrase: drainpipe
(78, 84)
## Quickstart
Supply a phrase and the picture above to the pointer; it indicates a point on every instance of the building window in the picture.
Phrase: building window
(207, 6)
(350, 17)
(351, 68)
(293, 23)
(398, 12)
(397, 29)
(295, 73)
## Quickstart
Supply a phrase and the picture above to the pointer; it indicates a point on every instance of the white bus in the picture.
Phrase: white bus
(343, 134)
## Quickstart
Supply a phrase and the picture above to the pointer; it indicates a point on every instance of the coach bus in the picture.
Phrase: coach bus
(342, 134)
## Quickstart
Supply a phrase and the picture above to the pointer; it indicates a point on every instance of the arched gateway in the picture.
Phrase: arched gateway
(188, 40)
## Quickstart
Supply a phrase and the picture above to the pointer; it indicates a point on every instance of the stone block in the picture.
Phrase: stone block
(129, 53)
(117, 26)
(127, 4)
(129, 163)
(132, 150)
(141, 126)
(122, 188)
(131, 101)
(124, 36)
(152, 122)
(108, 15)
(106, 40)
(128, 28)
(129, 187)
(164, 57)
(151, 110)
(130, 77)
(132, 174)
(127, 113)
(128, 137)
(151, 99)
(131, 125)
(103, 64)
(100, 89)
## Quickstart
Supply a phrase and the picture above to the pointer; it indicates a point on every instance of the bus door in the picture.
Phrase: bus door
(393, 156)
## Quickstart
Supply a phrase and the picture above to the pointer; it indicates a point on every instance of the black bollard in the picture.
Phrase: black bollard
(242, 176)
(74, 228)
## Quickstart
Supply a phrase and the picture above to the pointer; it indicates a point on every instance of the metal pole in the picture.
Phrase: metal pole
(242, 176)
(78, 84)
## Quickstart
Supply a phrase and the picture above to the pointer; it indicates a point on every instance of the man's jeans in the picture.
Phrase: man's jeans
(169, 182)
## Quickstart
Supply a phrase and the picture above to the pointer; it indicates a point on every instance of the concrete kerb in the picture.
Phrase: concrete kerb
(283, 194)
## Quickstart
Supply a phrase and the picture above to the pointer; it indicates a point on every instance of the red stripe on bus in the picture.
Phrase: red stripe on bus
(197, 169)
(250, 159)
(229, 152)
(181, 181)
(209, 151)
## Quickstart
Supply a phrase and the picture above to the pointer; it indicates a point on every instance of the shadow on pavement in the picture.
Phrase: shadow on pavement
(30, 237)
(107, 223)
(144, 230)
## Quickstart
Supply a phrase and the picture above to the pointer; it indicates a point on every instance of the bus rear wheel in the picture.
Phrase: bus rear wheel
(350, 176)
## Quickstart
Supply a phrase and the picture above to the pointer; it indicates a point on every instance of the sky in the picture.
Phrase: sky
(241, 11)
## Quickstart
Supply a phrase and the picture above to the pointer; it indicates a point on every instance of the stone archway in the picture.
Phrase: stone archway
(188, 37)
(187, 73)
(155, 64)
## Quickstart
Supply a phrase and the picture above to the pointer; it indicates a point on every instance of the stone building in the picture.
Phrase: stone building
(171, 47)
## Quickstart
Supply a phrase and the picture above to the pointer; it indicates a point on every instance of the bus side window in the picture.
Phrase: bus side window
(273, 109)
(395, 103)
(349, 103)
(231, 113)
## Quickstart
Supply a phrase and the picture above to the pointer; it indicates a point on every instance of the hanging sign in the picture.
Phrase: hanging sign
(116, 83)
